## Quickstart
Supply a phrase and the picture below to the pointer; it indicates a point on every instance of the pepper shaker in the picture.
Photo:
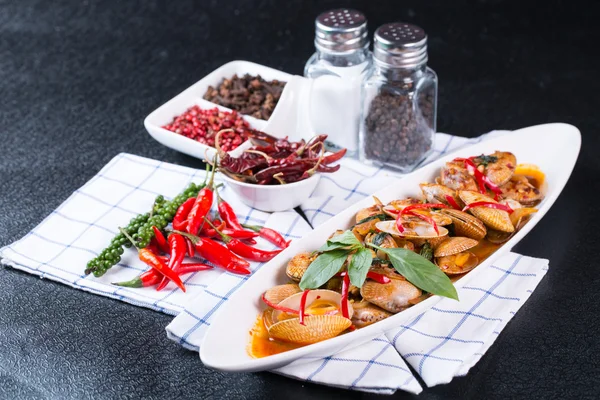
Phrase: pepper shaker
(398, 119)
(336, 71)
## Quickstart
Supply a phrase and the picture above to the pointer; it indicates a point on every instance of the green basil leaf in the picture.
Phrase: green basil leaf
(345, 239)
(323, 268)
(421, 272)
(379, 238)
(359, 266)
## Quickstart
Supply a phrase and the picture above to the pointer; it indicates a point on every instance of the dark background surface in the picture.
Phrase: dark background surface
(77, 79)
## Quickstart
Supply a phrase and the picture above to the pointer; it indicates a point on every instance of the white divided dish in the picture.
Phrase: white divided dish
(553, 147)
(287, 120)
(193, 96)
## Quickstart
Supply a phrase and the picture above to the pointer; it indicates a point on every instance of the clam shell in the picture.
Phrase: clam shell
(393, 297)
(278, 293)
(414, 230)
(502, 170)
(366, 313)
(448, 264)
(366, 213)
(294, 300)
(435, 193)
(495, 219)
(465, 224)
(298, 265)
(454, 245)
(316, 329)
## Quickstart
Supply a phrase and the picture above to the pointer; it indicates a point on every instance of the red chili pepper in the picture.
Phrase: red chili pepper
(497, 191)
(180, 219)
(399, 223)
(150, 259)
(345, 288)
(482, 180)
(488, 204)
(148, 278)
(379, 278)
(178, 249)
(153, 246)
(190, 247)
(408, 210)
(303, 306)
(227, 214)
(242, 249)
(452, 202)
(218, 255)
(328, 159)
(201, 207)
(151, 277)
(269, 235)
(160, 240)
(154, 261)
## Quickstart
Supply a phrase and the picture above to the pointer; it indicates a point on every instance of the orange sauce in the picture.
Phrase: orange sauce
(484, 249)
(261, 345)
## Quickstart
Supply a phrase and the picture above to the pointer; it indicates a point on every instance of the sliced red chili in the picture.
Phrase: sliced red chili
(379, 278)
(278, 307)
(489, 204)
(303, 306)
(345, 288)
(408, 210)
(452, 202)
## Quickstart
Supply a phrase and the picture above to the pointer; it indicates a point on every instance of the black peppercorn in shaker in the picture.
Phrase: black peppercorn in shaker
(398, 119)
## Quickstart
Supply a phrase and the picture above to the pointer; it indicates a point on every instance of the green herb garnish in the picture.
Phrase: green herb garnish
(485, 160)
(420, 272)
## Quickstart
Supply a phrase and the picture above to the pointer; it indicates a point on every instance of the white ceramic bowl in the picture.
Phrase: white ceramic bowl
(553, 147)
(273, 198)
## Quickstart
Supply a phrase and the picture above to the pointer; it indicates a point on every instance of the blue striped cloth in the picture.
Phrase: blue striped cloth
(439, 344)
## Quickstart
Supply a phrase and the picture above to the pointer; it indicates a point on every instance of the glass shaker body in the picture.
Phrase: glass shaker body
(336, 72)
(398, 121)
(399, 100)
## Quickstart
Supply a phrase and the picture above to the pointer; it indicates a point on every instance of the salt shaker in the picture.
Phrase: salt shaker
(398, 119)
(336, 72)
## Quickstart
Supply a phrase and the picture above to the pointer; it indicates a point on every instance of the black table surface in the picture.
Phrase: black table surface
(77, 79)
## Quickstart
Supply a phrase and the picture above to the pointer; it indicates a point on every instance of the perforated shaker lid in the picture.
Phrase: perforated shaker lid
(341, 30)
(400, 45)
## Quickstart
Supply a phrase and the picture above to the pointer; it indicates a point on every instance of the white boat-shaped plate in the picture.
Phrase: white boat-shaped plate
(553, 147)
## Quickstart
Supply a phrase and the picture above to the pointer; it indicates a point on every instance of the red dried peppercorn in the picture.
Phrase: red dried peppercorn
(202, 126)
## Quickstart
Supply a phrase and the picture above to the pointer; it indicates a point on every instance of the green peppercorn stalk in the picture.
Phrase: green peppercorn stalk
(140, 228)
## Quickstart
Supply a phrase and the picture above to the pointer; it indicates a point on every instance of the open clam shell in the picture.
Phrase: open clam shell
(454, 245)
(413, 230)
(366, 313)
(298, 265)
(501, 170)
(435, 193)
(394, 296)
(491, 217)
(317, 327)
(457, 263)
(278, 293)
(466, 224)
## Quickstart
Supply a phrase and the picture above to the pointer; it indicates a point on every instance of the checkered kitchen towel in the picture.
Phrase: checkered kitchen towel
(60, 246)
(441, 343)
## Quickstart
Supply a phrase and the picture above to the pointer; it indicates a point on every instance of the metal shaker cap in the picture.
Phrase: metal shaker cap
(400, 45)
(341, 30)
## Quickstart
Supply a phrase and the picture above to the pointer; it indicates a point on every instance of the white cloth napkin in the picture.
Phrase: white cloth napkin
(443, 342)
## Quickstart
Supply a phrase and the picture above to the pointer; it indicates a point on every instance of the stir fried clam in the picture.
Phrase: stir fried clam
(474, 206)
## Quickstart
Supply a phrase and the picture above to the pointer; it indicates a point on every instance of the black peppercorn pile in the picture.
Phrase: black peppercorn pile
(249, 95)
(396, 132)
